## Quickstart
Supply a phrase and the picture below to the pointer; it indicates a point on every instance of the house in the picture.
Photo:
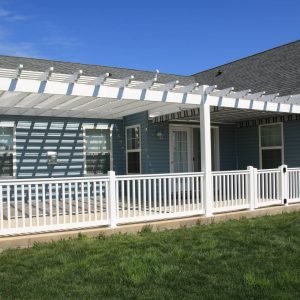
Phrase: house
(63, 120)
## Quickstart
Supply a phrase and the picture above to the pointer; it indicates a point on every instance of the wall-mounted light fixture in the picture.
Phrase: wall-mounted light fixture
(159, 135)
(52, 157)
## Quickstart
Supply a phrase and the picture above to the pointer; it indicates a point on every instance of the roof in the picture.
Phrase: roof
(275, 71)
(41, 65)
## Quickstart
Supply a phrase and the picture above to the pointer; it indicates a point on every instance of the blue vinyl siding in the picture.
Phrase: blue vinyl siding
(248, 147)
(35, 136)
(228, 147)
(158, 160)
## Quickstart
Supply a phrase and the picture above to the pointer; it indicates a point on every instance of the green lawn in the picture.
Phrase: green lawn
(253, 259)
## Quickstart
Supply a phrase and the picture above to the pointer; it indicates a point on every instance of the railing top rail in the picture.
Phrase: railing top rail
(293, 169)
(230, 172)
(268, 171)
(162, 175)
(53, 180)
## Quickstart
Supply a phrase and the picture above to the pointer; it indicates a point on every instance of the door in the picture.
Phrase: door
(180, 150)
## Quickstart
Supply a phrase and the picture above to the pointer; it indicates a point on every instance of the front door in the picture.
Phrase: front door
(180, 149)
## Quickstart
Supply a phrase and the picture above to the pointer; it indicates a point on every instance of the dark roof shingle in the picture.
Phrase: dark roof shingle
(33, 64)
(275, 71)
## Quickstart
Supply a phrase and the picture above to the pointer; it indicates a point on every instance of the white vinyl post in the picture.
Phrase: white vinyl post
(252, 189)
(205, 138)
(283, 184)
(112, 198)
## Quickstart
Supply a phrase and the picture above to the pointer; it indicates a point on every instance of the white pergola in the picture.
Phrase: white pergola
(32, 93)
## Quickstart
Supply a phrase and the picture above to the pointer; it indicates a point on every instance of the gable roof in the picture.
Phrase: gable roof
(41, 65)
(275, 71)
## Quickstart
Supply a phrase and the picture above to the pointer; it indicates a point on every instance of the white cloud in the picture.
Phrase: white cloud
(18, 49)
(9, 16)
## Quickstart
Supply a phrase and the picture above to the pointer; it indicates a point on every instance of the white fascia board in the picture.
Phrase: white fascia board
(253, 104)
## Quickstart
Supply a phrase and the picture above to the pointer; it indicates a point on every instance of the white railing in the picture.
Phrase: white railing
(230, 190)
(269, 188)
(39, 205)
(293, 185)
(161, 196)
(52, 204)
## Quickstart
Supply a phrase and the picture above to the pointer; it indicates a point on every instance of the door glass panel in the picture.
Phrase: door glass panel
(180, 139)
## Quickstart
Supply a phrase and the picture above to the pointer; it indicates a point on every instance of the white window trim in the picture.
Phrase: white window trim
(14, 150)
(134, 150)
(105, 127)
(261, 148)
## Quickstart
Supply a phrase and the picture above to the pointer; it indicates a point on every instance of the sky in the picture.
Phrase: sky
(179, 36)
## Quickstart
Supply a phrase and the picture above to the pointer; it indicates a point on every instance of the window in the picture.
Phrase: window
(133, 149)
(98, 151)
(6, 151)
(271, 146)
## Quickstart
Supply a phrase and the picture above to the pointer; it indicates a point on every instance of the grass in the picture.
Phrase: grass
(245, 259)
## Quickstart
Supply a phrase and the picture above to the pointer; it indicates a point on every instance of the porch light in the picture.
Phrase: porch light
(159, 135)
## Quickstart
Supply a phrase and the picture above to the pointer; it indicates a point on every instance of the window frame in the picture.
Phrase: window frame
(100, 127)
(139, 150)
(14, 150)
(261, 148)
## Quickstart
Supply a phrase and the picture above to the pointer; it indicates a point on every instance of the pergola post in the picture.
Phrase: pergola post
(205, 139)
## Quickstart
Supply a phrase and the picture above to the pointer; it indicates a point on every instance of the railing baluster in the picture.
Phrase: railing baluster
(57, 202)
(145, 196)
(82, 202)
(1, 208)
(63, 202)
(128, 199)
(8, 207)
(198, 191)
(165, 194)
(23, 206)
(76, 203)
(139, 198)
(44, 204)
(16, 206)
(89, 200)
(101, 199)
(50, 204)
(169, 193)
(133, 198)
(95, 199)
(70, 203)
(159, 194)
(37, 210)
(149, 196)
(182, 207)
